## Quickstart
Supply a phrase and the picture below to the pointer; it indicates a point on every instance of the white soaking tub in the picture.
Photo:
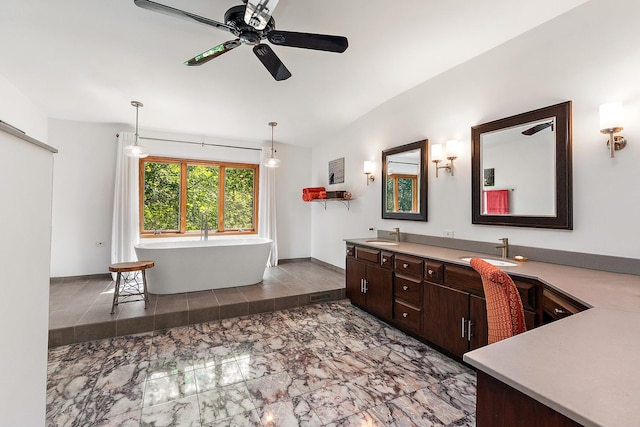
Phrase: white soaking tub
(189, 266)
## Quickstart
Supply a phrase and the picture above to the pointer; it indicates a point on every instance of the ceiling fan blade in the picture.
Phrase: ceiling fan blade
(271, 62)
(177, 13)
(309, 41)
(537, 128)
(214, 52)
(258, 13)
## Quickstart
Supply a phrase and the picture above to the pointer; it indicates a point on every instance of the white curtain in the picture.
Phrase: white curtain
(267, 206)
(125, 227)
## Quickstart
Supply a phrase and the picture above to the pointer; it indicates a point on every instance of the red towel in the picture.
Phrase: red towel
(312, 189)
(307, 197)
(496, 202)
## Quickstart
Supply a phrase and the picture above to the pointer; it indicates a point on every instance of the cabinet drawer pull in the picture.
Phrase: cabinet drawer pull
(384, 260)
(469, 332)
(405, 265)
(559, 311)
(405, 288)
(463, 322)
(430, 272)
(405, 314)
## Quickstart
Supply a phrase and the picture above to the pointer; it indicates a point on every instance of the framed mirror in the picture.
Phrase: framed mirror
(404, 187)
(521, 170)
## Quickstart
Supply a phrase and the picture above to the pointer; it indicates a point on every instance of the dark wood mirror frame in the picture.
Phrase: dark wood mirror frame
(421, 215)
(563, 172)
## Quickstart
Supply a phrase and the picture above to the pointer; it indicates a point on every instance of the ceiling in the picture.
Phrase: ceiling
(85, 60)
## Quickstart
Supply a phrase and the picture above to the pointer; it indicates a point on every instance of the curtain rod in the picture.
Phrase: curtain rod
(198, 143)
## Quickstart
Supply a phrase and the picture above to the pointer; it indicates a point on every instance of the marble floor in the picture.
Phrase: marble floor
(328, 364)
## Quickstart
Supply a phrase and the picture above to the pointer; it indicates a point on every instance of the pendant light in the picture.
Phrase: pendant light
(136, 150)
(272, 161)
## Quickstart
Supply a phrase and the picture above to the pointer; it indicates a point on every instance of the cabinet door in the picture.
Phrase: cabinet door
(480, 327)
(379, 291)
(446, 312)
(356, 272)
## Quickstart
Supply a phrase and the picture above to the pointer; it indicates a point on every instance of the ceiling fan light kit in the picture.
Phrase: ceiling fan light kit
(251, 24)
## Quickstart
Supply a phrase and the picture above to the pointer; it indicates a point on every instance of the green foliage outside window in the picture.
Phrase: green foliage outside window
(405, 194)
(202, 196)
(161, 196)
(238, 198)
(204, 183)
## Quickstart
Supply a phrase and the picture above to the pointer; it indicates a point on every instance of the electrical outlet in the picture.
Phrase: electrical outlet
(99, 244)
(448, 233)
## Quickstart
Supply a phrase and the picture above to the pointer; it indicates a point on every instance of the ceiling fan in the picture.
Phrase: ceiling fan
(251, 24)
(537, 128)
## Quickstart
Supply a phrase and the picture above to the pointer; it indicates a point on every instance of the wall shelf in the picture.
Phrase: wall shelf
(323, 202)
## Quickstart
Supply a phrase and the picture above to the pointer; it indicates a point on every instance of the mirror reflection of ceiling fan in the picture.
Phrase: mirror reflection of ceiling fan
(537, 128)
(251, 24)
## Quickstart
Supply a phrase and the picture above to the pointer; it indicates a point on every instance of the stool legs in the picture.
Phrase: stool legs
(144, 285)
(116, 293)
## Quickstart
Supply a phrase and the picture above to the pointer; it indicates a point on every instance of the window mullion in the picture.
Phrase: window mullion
(221, 187)
(183, 197)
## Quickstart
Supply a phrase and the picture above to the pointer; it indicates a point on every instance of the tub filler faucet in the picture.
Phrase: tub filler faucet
(204, 227)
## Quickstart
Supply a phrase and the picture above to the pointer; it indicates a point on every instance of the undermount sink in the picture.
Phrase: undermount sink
(496, 262)
(382, 242)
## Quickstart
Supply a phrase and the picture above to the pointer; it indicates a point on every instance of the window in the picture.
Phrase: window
(402, 193)
(177, 196)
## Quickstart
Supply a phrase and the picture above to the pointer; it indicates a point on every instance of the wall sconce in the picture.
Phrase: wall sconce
(368, 170)
(437, 155)
(611, 118)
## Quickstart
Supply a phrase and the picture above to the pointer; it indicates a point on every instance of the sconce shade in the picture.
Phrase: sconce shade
(611, 116)
(452, 149)
(368, 167)
(436, 152)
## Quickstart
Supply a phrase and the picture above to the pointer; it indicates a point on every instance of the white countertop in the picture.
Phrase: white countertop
(583, 366)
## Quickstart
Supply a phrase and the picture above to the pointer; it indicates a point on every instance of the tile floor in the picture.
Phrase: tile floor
(80, 308)
(328, 364)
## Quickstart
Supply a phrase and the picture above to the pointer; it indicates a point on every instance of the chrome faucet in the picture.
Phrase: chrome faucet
(505, 247)
(396, 232)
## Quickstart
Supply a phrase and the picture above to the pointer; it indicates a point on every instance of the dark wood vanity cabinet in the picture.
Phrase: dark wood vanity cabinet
(439, 302)
(368, 284)
(556, 305)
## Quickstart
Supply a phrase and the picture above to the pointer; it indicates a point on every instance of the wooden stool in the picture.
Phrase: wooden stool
(130, 286)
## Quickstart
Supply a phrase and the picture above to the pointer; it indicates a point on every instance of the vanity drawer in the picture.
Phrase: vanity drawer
(557, 306)
(408, 290)
(408, 265)
(434, 271)
(386, 260)
(351, 251)
(368, 254)
(407, 315)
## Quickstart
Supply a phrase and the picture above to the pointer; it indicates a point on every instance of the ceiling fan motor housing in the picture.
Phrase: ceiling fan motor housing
(234, 17)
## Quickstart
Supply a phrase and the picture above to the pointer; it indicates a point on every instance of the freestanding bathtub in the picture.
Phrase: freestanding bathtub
(189, 266)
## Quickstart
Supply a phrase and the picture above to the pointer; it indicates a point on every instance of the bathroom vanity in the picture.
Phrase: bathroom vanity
(572, 367)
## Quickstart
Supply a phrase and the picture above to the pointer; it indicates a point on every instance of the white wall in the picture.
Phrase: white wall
(20, 112)
(83, 190)
(83, 182)
(569, 58)
(25, 186)
(24, 260)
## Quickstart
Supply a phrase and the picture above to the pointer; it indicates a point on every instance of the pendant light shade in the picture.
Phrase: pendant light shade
(272, 161)
(136, 150)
